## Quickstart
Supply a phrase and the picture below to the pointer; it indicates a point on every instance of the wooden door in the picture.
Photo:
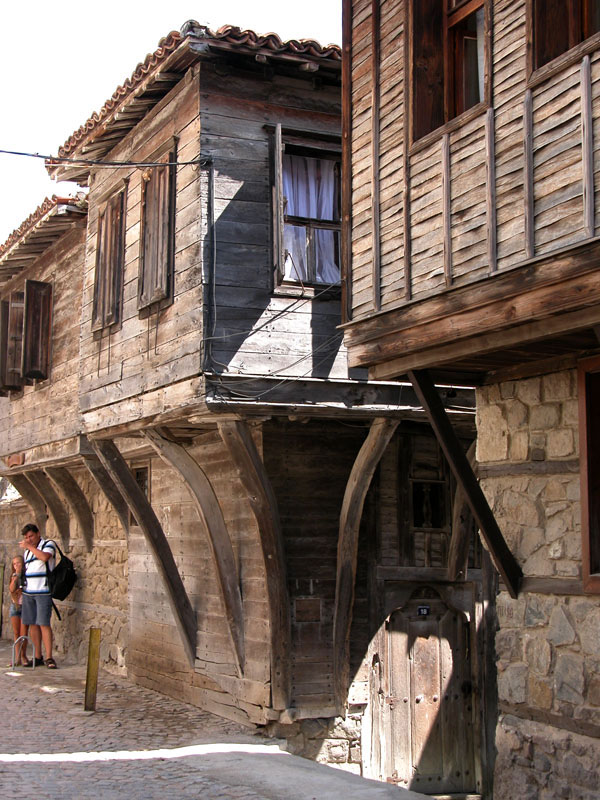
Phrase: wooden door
(429, 691)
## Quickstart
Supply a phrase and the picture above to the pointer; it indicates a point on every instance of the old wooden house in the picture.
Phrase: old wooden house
(197, 437)
(471, 130)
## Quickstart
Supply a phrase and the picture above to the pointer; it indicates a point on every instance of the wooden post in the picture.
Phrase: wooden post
(91, 680)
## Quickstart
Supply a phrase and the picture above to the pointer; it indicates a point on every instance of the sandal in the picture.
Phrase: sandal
(51, 663)
(26, 663)
(38, 662)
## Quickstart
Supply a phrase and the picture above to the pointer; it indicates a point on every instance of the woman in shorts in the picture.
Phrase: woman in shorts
(15, 587)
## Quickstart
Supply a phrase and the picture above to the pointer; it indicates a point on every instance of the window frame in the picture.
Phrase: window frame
(109, 267)
(161, 290)
(588, 449)
(314, 145)
(26, 330)
(454, 115)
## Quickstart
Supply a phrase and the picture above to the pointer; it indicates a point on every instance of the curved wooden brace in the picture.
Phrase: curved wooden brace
(76, 500)
(366, 462)
(460, 542)
(33, 499)
(108, 488)
(209, 510)
(53, 502)
(179, 602)
(238, 439)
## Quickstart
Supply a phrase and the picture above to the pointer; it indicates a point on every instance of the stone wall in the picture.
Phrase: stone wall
(99, 598)
(548, 642)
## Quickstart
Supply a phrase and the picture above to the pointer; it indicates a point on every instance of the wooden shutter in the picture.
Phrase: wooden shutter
(277, 199)
(14, 342)
(427, 66)
(4, 306)
(108, 279)
(37, 327)
(158, 203)
(553, 28)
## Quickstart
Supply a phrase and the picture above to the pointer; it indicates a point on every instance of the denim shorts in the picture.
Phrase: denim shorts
(13, 610)
(37, 609)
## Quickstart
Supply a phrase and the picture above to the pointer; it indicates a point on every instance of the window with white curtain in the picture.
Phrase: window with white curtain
(311, 219)
(306, 211)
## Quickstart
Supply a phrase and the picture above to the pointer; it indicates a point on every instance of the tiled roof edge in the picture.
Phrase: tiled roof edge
(34, 219)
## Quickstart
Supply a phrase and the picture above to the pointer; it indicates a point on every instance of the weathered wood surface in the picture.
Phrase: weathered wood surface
(76, 501)
(207, 505)
(504, 560)
(380, 433)
(33, 498)
(47, 411)
(458, 553)
(244, 453)
(108, 487)
(53, 502)
(481, 196)
(181, 608)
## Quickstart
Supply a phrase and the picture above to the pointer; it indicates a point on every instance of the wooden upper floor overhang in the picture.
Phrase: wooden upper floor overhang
(40, 231)
(166, 66)
(472, 185)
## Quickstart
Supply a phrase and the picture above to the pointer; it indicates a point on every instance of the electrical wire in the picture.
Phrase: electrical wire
(55, 160)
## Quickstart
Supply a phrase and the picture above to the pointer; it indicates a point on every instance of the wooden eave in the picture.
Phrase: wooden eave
(35, 240)
(544, 308)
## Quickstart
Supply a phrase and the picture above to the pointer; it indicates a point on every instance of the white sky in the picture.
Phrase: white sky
(60, 62)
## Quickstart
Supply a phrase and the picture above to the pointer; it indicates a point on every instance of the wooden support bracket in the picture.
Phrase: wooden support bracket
(366, 462)
(209, 510)
(460, 542)
(53, 502)
(108, 487)
(33, 499)
(179, 602)
(238, 439)
(76, 500)
(502, 557)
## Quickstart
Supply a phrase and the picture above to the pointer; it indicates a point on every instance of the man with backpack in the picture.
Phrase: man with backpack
(37, 599)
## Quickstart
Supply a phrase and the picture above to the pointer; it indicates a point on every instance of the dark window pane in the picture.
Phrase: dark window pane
(429, 507)
(428, 66)
(552, 20)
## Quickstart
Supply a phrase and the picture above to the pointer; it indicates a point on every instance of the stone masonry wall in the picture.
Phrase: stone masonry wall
(548, 644)
(99, 598)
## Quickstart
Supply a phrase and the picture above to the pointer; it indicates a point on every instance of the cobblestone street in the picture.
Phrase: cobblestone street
(140, 744)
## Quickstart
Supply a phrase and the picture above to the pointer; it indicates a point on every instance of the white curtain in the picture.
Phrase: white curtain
(479, 18)
(309, 186)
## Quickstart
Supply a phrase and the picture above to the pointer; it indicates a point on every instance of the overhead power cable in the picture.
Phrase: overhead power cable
(55, 160)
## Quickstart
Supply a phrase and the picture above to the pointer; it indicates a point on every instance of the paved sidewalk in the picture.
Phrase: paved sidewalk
(141, 744)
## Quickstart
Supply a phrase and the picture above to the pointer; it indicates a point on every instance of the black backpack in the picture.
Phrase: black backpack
(62, 578)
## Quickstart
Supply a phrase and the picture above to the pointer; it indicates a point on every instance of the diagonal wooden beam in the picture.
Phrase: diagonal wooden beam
(33, 499)
(360, 478)
(53, 502)
(108, 487)
(238, 439)
(460, 542)
(179, 602)
(504, 560)
(209, 510)
(76, 500)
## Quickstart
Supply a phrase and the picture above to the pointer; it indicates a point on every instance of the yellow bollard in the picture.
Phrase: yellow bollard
(91, 681)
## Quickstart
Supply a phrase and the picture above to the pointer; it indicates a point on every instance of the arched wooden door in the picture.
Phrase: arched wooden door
(429, 691)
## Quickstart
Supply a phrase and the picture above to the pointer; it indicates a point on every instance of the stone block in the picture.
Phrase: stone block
(539, 693)
(556, 549)
(492, 434)
(334, 751)
(539, 564)
(554, 491)
(516, 414)
(518, 446)
(560, 630)
(570, 414)
(560, 443)
(508, 389)
(567, 569)
(538, 654)
(522, 509)
(557, 386)
(569, 678)
(544, 417)
(529, 391)
(538, 610)
(593, 695)
(512, 683)
(508, 645)
(589, 633)
(531, 540)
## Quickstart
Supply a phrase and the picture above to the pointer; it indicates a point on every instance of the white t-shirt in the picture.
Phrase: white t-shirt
(35, 568)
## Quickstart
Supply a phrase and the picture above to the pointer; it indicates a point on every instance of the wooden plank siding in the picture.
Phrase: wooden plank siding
(485, 193)
(44, 412)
